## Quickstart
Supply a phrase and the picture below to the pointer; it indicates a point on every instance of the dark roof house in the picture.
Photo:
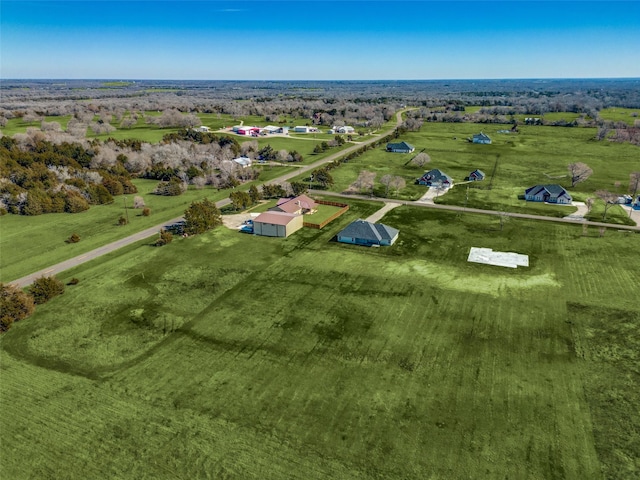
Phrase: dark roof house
(362, 232)
(476, 175)
(402, 147)
(548, 193)
(481, 138)
(435, 178)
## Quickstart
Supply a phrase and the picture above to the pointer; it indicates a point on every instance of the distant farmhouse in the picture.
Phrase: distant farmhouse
(481, 138)
(402, 147)
(305, 129)
(366, 233)
(344, 129)
(271, 129)
(276, 224)
(244, 162)
(297, 206)
(548, 193)
(476, 176)
(246, 130)
(435, 178)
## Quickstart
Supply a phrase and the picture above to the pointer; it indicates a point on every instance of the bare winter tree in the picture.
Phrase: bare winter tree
(138, 202)
(421, 159)
(128, 122)
(397, 183)
(282, 155)
(589, 204)
(248, 149)
(634, 183)
(30, 117)
(364, 182)
(106, 157)
(101, 128)
(609, 199)
(579, 172)
(386, 181)
(76, 128)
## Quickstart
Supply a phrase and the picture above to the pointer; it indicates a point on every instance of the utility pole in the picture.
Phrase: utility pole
(126, 212)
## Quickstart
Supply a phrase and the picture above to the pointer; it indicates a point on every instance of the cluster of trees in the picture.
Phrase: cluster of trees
(201, 217)
(241, 200)
(268, 154)
(324, 146)
(394, 182)
(16, 305)
(44, 177)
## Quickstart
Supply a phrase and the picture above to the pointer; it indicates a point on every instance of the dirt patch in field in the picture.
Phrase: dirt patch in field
(235, 222)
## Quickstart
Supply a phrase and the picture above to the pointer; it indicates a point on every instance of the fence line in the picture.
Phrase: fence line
(340, 212)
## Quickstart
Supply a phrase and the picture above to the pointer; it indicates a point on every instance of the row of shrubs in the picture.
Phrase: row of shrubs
(16, 304)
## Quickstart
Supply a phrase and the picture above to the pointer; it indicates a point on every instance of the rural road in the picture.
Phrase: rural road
(149, 232)
(455, 208)
(390, 203)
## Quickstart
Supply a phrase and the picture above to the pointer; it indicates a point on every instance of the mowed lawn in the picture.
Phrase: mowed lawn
(234, 356)
(512, 163)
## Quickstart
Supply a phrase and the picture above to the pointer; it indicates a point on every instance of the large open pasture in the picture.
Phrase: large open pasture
(232, 356)
(512, 163)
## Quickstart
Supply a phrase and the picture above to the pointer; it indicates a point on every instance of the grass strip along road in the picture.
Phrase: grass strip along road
(55, 269)
(149, 232)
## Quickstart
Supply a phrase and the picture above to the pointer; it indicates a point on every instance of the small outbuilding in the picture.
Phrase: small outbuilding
(402, 147)
(276, 224)
(366, 233)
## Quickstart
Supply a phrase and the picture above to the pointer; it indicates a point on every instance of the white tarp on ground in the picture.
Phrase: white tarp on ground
(501, 259)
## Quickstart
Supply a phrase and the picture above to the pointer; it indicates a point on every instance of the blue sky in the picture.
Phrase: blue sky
(318, 39)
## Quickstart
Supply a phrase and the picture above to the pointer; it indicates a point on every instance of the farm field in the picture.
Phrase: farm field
(232, 356)
(512, 163)
(620, 114)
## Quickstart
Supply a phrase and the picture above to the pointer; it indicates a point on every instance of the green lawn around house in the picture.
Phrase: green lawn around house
(31, 243)
(512, 163)
(323, 213)
(231, 355)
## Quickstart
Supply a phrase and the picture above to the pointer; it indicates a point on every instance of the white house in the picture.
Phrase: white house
(203, 129)
(305, 129)
(344, 129)
(244, 162)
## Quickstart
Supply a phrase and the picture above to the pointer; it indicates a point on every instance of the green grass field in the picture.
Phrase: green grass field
(512, 163)
(28, 244)
(619, 114)
(232, 356)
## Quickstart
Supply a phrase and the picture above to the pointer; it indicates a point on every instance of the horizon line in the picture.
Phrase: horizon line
(310, 80)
